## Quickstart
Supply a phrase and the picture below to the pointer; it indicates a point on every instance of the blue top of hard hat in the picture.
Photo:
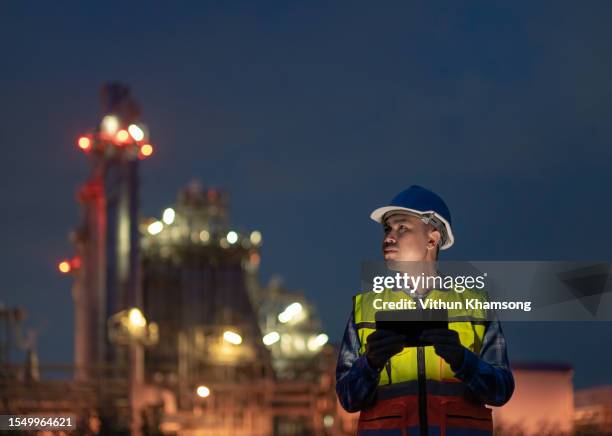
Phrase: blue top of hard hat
(418, 198)
(421, 201)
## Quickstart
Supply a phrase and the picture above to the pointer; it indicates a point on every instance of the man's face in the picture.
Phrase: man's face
(406, 238)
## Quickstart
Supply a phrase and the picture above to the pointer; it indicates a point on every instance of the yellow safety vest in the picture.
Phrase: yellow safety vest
(417, 383)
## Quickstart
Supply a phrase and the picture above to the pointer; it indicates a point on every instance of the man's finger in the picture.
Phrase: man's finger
(379, 345)
(444, 354)
(377, 334)
(395, 338)
(444, 348)
(387, 352)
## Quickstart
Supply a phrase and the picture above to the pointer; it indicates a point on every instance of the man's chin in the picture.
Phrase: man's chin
(391, 255)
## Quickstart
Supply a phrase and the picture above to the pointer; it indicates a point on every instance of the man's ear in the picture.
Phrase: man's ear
(433, 237)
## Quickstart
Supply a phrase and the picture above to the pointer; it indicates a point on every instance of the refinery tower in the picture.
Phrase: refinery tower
(172, 328)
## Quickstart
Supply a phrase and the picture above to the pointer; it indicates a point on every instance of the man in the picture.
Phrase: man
(424, 390)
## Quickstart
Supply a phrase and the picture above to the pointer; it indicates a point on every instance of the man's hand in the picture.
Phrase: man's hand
(381, 345)
(447, 345)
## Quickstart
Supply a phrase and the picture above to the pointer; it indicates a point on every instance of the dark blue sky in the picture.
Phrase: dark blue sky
(311, 115)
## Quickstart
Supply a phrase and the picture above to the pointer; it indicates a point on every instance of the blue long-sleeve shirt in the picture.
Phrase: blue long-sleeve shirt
(488, 375)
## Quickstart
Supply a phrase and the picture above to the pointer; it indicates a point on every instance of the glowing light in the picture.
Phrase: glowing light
(232, 237)
(316, 342)
(155, 227)
(64, 267)
(75, 262)
(146, 150)
(271, 338)
(290, 312)
(255, 237)
(204, 236)
(110, 124)
(223, 243)
(328, 420)
(321, 339)
(136, 132)
(232, 337)
(298, 343)
(154, 330)
(84, 143)
(123, 135)
(168, 216)
(202, 391)
(136, 318)
(254, 259)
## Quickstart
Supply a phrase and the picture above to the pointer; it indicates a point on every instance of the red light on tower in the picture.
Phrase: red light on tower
(146, 150)
(123, 135)
(84, 143)
(75, 262)
(64, 267)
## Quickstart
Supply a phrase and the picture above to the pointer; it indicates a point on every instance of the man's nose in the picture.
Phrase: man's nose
(389, 239)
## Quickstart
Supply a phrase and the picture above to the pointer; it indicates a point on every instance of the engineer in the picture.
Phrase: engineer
(442, 388)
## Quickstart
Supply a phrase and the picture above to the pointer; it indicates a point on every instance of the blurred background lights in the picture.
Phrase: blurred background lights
(321, 339)
(136, 317)
(168, 216)
(84, 143)
(232, 337)
(316, 342)
(136, 132)
(232, 237)
(202, 391)
(255, 237)
(204, 236)
(286, 343)
(254, 258)
(146, 150)
(271, 338)
(298, 343)
(64, 267)
(290, 312)
(123, 135)
(155, 227)
(110, 124)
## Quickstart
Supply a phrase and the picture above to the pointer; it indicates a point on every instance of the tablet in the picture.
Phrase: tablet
(412, 323)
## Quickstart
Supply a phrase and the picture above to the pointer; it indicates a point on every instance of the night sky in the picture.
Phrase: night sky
(311, 115)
